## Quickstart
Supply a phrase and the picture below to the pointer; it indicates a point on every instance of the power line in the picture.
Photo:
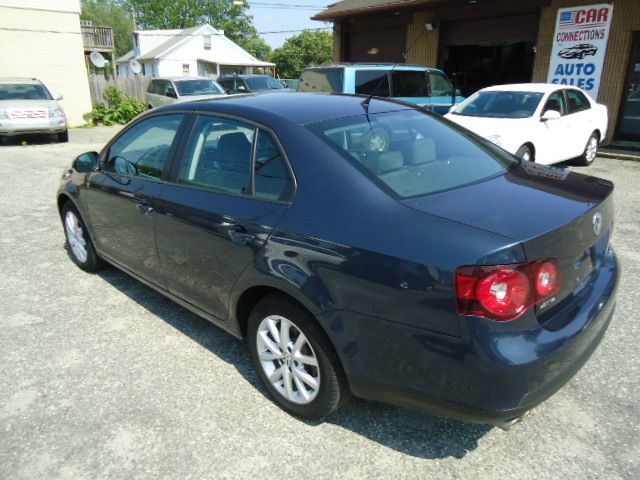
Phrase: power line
(161, 34)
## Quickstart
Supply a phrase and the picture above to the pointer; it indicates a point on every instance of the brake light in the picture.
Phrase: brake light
(504, 292)
(546, 278)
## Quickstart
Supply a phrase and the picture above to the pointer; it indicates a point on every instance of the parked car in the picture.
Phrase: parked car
(167, 90)
(426, 87)
(578, 51)
(374, 249)
(253, 83)
(546, 123)
(27, 108)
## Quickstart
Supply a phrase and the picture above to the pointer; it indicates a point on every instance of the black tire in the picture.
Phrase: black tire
(333, 391)
(63, 137)
(588, 156)
(526, 153)
(92, 262)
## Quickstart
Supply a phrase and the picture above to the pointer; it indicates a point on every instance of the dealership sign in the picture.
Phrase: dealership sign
(579, 46)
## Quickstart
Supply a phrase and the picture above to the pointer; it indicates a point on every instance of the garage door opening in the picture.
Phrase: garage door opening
(489, 51)
(479, 66)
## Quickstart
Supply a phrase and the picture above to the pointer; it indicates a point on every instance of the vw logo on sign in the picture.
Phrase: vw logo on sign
(597, 223)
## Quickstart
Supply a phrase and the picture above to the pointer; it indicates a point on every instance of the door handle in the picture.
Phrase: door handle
(239, 235)
(144, 208)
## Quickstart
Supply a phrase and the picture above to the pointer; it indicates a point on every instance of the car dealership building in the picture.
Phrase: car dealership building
(590, 44)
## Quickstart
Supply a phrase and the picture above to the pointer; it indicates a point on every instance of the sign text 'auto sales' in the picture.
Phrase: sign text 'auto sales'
(579, 46)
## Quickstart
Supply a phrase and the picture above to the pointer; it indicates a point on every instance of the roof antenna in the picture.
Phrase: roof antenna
(366, 101)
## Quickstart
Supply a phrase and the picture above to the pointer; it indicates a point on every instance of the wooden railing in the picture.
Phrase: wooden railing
(97, 38)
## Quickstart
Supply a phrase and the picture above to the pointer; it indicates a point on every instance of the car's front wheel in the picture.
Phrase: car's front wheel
(63, 137)
(79, 243)
(590, 150)
(525, 152)
(294, 358)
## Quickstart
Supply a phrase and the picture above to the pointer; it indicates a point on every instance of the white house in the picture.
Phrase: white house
(197, 51)
(42, 39)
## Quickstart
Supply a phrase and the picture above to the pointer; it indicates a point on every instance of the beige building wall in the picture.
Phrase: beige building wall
(626, 20)
(42, 39)
(422, 43)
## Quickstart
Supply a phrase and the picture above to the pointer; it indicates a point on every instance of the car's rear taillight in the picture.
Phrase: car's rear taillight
(504, 292)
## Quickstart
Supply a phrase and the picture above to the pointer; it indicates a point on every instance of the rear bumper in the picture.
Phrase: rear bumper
(490, 375)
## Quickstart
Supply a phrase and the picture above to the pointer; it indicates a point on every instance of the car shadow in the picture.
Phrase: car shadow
(29, 140)
(406, 431)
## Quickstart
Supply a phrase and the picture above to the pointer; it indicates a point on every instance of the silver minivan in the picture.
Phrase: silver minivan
(166, 90)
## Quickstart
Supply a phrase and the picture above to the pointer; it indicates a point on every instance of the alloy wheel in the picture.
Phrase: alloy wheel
(288, 359)
(75, 237)
(592, 149)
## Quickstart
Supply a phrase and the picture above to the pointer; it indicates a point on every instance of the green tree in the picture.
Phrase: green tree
(255, 45)
(169, 14)
(106, 13)
(307, 49)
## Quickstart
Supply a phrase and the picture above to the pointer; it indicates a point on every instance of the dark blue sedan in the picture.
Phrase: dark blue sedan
(361, 246)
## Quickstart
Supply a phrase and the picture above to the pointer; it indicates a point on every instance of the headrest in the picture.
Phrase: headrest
(381, 162)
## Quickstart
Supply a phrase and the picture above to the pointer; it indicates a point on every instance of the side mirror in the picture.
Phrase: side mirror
(550, 115)
(87, 162)
(172, 94)
(58, 98)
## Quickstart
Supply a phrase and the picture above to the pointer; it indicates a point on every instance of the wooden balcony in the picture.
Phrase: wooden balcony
(97, 38)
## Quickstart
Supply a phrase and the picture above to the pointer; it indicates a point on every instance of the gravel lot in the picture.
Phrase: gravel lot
(101, 377)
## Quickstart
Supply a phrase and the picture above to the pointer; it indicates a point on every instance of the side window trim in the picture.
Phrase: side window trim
(172, 152)
(188, 131)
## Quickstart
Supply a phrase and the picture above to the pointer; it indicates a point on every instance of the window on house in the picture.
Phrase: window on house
(185, 69)
(207, 42)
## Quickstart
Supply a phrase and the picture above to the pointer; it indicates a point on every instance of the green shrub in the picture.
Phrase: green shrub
(119, 108)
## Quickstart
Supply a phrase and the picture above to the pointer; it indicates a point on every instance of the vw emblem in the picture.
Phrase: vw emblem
(597, 223)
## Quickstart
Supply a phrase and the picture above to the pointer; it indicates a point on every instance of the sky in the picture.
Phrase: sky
(276, 18)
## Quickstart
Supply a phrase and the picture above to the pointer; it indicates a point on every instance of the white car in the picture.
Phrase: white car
(541, 122)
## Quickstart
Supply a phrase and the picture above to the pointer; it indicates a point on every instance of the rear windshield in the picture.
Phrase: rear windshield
(410, 153)
(263, 83)
(500, 104)
(321, 80)
(23, 91)
(198, 87)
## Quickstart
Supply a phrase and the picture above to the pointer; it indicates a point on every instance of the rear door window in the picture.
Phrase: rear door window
(271, 173)
(576, 101)
(372, 82)
(219, 156)
(321, 80)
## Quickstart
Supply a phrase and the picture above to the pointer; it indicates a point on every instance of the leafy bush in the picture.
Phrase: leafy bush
(119, 108)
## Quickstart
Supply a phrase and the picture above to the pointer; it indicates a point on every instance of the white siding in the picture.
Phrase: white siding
(57, 59)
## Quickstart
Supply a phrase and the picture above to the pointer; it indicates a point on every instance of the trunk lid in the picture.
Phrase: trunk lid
(552, 212)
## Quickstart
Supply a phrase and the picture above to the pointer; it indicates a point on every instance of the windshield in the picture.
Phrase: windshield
(23, 91)
(263, 83)
(198, 87)
(500, 104)
(411, 153)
